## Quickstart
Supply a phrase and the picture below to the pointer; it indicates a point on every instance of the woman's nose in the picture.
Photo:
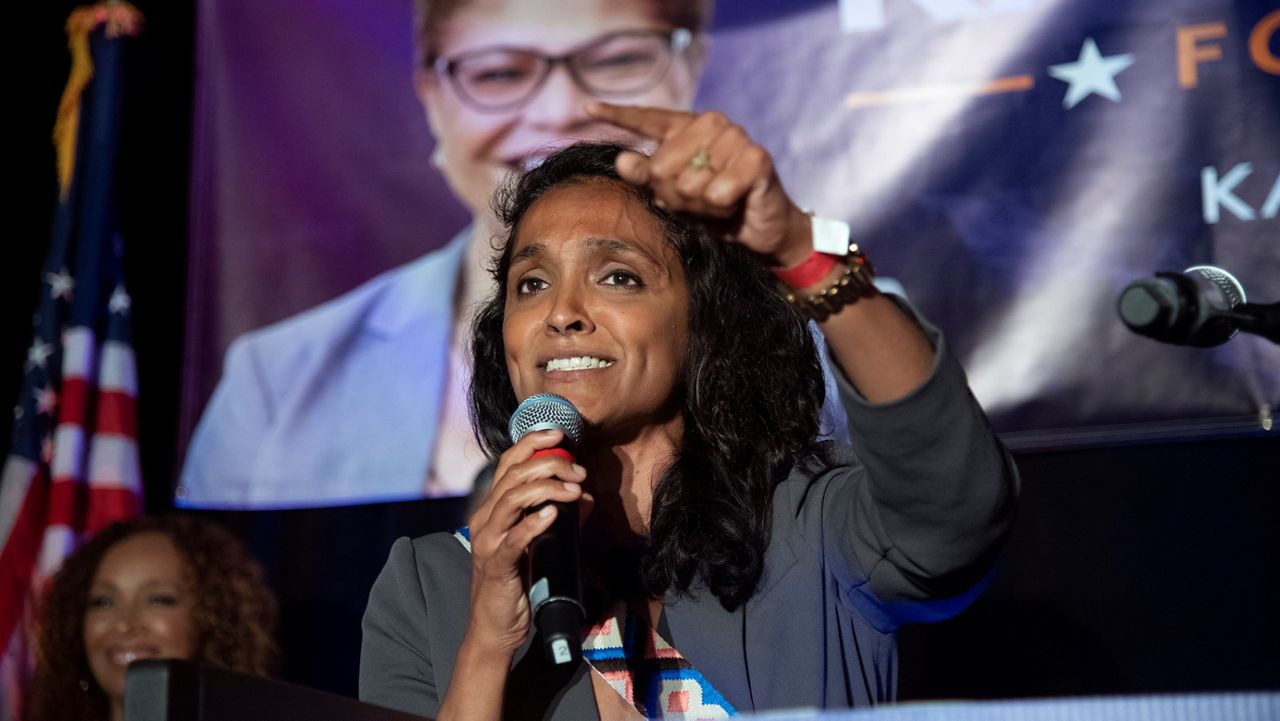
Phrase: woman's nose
(568, 313)
(560, 103)
(126, 620)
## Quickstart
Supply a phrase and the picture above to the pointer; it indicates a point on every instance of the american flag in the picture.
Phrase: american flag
(72, 466)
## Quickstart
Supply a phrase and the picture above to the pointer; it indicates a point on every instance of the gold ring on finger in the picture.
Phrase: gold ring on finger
(700, 160)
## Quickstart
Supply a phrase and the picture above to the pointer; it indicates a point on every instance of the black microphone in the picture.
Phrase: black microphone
(555, 584)
(1202, 306)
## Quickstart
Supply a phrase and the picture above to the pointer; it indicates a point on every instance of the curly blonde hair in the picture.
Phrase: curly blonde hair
(233, 613)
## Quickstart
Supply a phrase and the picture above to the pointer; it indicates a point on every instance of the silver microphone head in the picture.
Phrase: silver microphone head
(1195, 307)
(1225, 291)
(545, 411)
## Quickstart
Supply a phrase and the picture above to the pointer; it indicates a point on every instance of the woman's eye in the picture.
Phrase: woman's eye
(623, 278)
(498, 76)
(622, 61)
(101, 602)
(162, 599)
(527, 286)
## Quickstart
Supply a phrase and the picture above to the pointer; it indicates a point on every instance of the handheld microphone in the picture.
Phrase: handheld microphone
(555, 584)
(1203, 306)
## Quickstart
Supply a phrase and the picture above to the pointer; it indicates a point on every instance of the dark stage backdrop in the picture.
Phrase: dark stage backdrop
(1137, 569)
(1132, 568)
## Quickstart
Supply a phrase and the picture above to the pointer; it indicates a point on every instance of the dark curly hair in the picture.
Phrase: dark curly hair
(751, 388)
(233, 613)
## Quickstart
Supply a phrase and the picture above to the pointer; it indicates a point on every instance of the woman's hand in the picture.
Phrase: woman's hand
(708, 166)
(501, 531)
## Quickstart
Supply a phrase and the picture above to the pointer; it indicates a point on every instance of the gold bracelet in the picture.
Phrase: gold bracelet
(857, 281)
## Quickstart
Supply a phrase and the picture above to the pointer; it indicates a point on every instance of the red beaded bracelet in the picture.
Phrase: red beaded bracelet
(810, 272)
(857, 281)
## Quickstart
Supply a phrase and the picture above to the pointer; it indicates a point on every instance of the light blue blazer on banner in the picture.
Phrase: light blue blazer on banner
(339, 405)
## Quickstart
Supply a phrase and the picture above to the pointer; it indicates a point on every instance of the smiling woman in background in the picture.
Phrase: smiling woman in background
(153, 587)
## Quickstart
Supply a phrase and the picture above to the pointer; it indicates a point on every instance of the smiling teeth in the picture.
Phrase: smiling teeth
(125, 658)
(577, 363)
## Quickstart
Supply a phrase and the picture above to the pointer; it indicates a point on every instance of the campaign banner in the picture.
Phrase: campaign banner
(1014, 164)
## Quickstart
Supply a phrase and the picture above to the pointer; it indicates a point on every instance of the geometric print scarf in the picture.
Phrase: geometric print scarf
(646, 671)
(643, 668)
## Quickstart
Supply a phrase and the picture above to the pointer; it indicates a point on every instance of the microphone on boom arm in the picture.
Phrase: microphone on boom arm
(1202, 306)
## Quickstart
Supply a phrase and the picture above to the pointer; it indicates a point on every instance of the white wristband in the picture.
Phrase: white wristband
(830, 236)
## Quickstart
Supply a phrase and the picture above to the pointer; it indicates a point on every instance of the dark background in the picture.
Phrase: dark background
(1131, 569)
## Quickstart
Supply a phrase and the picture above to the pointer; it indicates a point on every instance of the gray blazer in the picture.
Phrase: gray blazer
(903, 528)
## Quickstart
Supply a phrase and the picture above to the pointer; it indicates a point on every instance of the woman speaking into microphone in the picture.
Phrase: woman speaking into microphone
(731, 561)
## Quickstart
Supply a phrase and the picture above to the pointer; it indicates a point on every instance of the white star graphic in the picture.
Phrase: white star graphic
(60, 284)
(46, 400)
(39, 353)
(1091, 73)
(120, 301)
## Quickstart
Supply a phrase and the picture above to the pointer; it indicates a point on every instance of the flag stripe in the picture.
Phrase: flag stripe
(58, 543)
(14, 482)
(18, 557)
(73, 402)
(64, 502)
(68, 451)
(108, 505)
(119, 373)
(117, 414)
(113, 463)
(78, 352)
(14, 678)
